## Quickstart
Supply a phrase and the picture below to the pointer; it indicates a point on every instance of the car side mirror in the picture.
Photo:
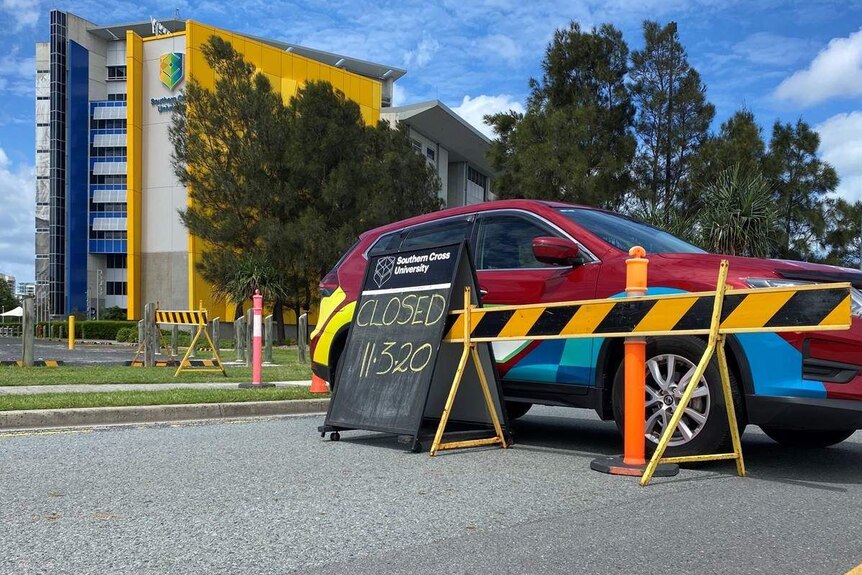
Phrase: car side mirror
(556, 251)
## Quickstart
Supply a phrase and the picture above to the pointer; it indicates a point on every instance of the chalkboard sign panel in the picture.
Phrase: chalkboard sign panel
(391, 353)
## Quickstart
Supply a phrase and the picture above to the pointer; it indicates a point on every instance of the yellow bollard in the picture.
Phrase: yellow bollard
(71, 332)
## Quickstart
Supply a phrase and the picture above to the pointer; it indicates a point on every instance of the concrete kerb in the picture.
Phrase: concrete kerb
(57, 418)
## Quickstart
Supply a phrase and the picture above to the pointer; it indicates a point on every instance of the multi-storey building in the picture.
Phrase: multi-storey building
(10, 281)
(107, 228)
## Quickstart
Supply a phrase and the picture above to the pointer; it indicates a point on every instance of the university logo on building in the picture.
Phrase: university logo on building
(171, 69)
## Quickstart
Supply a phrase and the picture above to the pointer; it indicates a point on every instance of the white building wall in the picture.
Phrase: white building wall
(164, 241)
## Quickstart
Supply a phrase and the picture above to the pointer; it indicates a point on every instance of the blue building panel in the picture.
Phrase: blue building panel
(107, 246)
(77, 176)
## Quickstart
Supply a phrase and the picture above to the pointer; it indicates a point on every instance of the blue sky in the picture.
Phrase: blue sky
(784, 60)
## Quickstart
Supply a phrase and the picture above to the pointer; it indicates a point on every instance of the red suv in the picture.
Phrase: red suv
(803, 389)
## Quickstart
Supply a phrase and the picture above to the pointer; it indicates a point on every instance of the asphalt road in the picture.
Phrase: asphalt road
(269, 496)
(93, 354)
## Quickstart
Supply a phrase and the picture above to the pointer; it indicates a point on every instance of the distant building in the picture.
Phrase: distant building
(26, 289)
(107, 229)
(10, 280)
(456, 148)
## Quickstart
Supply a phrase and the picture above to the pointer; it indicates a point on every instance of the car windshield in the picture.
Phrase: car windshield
(623, 233)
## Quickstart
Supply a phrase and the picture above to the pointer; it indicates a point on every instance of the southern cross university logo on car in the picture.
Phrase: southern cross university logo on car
(383, 271)
(171, 69)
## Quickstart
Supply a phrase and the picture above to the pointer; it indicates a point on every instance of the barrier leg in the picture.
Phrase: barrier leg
(731, 408)
(715, 344)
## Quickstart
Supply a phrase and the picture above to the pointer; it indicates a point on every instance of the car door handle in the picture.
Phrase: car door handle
(483, 291)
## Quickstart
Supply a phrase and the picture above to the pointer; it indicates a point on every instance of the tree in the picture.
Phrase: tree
(739, 218)
(8, 301)
(227, 146)
(843, 232)
(672, 120)
(574, 142)
(738, 143)
(277, 191)
(801, 182)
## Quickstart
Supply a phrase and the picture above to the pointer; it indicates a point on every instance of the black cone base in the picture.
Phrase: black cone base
(615, 466)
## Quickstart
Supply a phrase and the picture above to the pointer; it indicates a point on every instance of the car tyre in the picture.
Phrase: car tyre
(807, 439)
(675, 357)
(517, 409)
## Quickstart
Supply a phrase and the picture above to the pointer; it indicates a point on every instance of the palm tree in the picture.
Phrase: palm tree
(738, 217)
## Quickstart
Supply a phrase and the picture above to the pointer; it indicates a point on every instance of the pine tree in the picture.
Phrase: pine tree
(801, 182)
(739, 143)
(574, 142)
(673, 119)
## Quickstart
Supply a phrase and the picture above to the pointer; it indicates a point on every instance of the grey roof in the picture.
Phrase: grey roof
(361, 67)
(437, 121)
(145, 29)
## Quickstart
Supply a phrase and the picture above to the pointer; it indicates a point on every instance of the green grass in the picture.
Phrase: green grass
(136, 398)
(289, 369)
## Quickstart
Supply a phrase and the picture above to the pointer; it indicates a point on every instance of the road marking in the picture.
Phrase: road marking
(855, 571)
(44, 432)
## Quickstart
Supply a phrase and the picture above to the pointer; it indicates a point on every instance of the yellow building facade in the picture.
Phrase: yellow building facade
(161, 255)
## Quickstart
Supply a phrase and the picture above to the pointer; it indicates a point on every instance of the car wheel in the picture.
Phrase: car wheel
(516, 409)
(670, 363)
(807, 439)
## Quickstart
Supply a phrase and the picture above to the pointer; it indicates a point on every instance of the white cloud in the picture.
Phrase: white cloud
(17, 75)
(501, 46)
(422, 54)
(841, 146)
(770, 49)
(473, 110)
(399, 95)
(24, 12)
(835, 72)
(17, 219)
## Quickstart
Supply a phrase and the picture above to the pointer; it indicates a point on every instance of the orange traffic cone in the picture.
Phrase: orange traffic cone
(318, 385)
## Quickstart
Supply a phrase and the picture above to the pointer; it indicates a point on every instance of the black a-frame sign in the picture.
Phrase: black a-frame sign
(395, 372)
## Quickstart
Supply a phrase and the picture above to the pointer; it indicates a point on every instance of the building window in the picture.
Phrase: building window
(116, 97)
(477, 186)
(417, 145)
(116, 72)
(115, 288)
(116, 261)
(432, 155)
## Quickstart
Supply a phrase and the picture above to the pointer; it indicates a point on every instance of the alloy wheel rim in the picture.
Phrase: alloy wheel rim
(667, 377)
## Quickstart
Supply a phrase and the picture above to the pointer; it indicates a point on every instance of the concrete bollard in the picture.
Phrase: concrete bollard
(301, 331)
(239, 338)
(149, 335)
(28, 333)
(175, 340)
(267, 332)
(216, 336)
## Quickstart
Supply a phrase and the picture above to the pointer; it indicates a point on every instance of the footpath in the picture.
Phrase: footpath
(41, 419)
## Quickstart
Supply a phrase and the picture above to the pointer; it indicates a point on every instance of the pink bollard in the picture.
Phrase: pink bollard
(256, 338)
(257, 344)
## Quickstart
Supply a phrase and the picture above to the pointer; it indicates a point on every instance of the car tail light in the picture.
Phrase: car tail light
(328, 284)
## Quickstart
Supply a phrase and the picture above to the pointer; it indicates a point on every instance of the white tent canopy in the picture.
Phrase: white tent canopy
(17, 312)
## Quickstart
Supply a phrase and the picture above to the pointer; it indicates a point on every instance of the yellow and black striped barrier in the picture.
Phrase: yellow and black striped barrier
(181, 317)
(809, 307)
(39, 363)
(176, 363)
(714, 314)
(198, 319)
